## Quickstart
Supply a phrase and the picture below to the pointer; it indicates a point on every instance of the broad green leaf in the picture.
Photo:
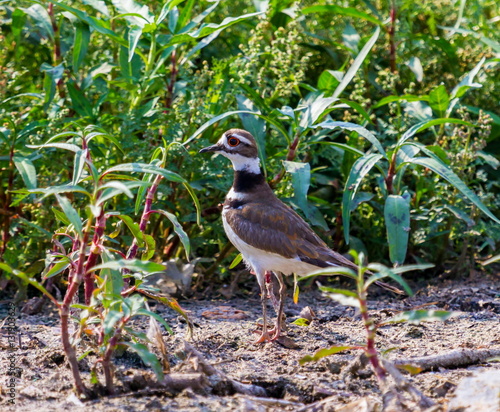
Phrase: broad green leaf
(342, 11)
(358, 171)
(351, 38)
(385, 272)
(52, 76)
(113, 278)
(150, 247)
(331, 271)
(114, 188)
(100, 26)
(418, 316)
(322, 353)
(79, 165)
(301, 177)
(254, 125)
(352, 127)
(57, 268)
(468, 81)
(134, 13)
(397, 223)
(341, 146)
(111, 319)
(54, 190)
(178, 229)
(147, 357)
(98, 5)
(71, 214)
(80, 44)
(134, 34)
(416, 67)
(329, 79)
(445, 172)
(134, 228)
(146, 168)
(80, 103)
(27, 170)
(66, 146)
(130, 264)
(358, 61)
(60, 216)
(439, 100)
(344, 297)
(42, 19)
(314, 110)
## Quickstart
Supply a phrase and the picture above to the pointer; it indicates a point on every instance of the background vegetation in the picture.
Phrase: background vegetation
(119, 79)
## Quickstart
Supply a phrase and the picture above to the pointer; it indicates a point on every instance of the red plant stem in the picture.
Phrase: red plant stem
(7, 201)
(173, 78)
(95, 251)
(292, 152)
(390, 175)
(150, 194)
(106, 360)
(370, 350)
(392, 35)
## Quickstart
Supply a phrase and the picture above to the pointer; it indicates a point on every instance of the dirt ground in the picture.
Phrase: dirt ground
(46, 385)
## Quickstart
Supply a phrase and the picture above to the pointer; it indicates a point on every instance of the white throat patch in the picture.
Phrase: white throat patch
(249, 164)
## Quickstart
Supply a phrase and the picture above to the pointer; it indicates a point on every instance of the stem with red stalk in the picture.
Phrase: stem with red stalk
(392, 40)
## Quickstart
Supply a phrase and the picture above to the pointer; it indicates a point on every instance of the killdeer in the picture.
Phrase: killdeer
(269, 234)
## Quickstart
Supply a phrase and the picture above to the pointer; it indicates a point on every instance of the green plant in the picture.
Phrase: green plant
(81, 247)
(366, 276)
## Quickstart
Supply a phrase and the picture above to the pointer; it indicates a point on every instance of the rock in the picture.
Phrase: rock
(480, 392)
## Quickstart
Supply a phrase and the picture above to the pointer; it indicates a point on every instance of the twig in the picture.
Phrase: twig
(217, 378)
(454, 359)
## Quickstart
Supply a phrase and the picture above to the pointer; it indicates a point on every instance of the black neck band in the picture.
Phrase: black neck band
(245, 181)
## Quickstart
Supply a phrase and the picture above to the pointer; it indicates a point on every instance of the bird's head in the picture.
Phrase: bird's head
(240, 147)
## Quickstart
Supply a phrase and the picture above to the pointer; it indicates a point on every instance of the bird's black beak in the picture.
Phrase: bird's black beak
(213, 148)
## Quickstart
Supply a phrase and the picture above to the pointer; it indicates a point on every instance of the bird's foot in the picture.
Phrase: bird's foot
(263, 338)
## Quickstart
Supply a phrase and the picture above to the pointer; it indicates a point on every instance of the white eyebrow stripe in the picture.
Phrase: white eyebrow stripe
(242, 139)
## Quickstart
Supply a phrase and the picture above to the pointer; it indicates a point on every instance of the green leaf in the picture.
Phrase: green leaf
(439, 100)
(80, 44)
(442, 170)
(80, 158)
(100, 26)
(134, 228)
(71, 214)
(419, 127)
(54, 190)
(57, 268)
(314, 110)
(146, 168)
(404, 98)
(111, 319)
(301, 322)
(329, 79)
(416, 317)
(162, 321)
(134, 34)
(352, 127)
(27, 171)
(147, 357)
(80, 103)
(66, 146)
(178, 230)
(385, 272)
(236, 261)
(408, 268)
(150, 247)
(397, 223)
(344, 297)
(42, 19)
(358, 61)
(358, 171)
(134, 13)
(416, 67)
(342, 11)
(332, 271)
(254, 125)
(322, 353)
(301, 177)
(130, 264)
(342, 146)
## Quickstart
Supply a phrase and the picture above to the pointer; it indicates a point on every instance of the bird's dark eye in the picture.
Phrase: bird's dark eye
(233, 141)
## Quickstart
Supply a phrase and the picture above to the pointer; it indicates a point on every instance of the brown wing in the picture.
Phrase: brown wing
(278, 229)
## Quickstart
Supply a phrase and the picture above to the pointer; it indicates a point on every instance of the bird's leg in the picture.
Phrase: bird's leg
(280, 325)
(270, 292)
(264, 336)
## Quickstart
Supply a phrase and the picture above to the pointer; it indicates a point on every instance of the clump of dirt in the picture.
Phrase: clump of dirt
(231, 373)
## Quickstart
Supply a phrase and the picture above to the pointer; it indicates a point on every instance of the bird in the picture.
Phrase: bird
(270, 235)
